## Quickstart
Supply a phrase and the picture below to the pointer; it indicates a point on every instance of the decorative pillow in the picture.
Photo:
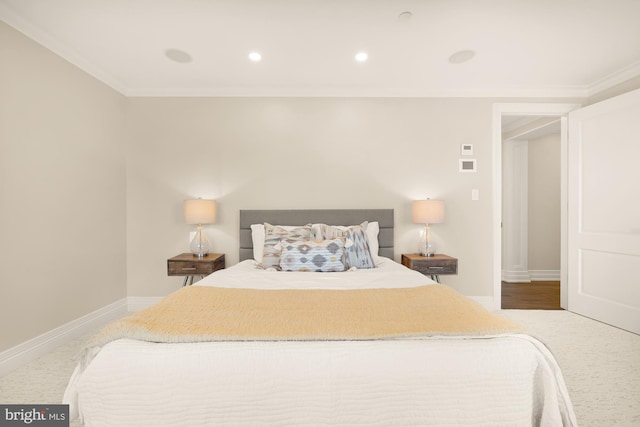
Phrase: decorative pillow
(257, 237)
(273, 234)
(314, 255)
(358, 254)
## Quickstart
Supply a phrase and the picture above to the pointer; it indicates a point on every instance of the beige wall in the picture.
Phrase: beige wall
(259, 153)
(62, 191)
(544, 203)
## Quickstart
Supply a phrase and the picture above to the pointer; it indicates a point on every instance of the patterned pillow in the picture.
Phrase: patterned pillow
(358, 254)
(314, 255)
(272, 236)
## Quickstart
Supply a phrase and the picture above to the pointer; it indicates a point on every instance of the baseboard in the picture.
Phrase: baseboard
(544, 275)
(32, 349)
(516, 276)
(140, 303)
(530, 276)
(486, 302)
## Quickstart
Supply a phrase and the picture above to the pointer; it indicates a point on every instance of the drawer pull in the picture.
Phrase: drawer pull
(188, 269)
(435, 268)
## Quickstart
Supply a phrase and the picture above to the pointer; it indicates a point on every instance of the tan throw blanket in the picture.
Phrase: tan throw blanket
(199, 313)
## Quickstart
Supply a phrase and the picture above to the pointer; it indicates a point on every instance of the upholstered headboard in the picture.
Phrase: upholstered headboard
(317, 216)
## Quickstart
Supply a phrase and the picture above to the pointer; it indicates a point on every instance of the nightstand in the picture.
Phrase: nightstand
(432, 266)
(189, 265)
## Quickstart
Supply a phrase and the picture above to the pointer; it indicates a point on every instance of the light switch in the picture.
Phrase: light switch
(475, 194)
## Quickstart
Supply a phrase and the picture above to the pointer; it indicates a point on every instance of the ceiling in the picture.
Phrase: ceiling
(558, 48)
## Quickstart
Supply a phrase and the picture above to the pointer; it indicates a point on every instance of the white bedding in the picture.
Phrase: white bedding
(388, 274)
(499, 381)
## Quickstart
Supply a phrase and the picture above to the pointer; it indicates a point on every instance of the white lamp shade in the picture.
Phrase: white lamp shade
(428, 211)
(200, 211)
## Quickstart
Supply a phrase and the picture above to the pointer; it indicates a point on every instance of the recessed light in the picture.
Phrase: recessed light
(362, 56)
(178, 55)
(255, 56)
(405, 16)
(462, 56)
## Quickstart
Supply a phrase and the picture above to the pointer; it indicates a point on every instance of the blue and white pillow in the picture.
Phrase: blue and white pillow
(273, 235)
(357, 251)
(313, 255)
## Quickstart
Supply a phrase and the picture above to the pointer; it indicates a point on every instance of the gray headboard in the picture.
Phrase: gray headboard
(317, 216)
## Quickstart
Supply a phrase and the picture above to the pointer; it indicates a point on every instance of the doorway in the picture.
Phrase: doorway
(531, 212)
(527, 110)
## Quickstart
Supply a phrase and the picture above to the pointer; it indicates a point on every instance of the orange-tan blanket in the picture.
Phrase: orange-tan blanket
(199, 313)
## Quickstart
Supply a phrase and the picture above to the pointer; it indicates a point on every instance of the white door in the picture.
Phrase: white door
(604, 211)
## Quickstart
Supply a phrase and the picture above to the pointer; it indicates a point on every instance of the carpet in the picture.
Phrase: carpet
(600, 364)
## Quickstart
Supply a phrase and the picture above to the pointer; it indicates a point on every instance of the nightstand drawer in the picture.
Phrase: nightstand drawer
(181, 268)
(188, 265)
(450, 268)
(431, 266)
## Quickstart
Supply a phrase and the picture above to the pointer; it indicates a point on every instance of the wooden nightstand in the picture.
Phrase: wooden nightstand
(189, 265)
(432, 266)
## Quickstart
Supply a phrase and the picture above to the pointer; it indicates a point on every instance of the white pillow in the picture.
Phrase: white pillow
(373, 229)
(257, 237)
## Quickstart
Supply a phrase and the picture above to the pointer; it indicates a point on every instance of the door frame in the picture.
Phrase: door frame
(528, 109)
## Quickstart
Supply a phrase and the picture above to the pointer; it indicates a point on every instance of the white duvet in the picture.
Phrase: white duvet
(496, 381)
(388, 274)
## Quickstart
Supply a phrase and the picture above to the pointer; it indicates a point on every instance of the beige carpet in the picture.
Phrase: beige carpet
(601, 366)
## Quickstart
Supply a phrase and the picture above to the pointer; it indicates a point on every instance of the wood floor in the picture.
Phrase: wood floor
(531, 296)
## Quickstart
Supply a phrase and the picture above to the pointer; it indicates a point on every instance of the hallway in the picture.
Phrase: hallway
(531, 296)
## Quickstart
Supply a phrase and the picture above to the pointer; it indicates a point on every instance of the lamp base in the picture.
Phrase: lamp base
(426, 247)
(200, 244)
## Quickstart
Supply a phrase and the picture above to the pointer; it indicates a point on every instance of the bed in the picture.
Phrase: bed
(324, 373)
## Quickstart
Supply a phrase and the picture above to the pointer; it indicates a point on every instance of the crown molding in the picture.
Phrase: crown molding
(361, 92)
(627, 73)
(61, 49)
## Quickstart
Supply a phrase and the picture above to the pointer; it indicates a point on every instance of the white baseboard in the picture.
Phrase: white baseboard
(516, 276)
(544, 275)
(486, 302)
(32, 349)
(140, 303)
(530, 276)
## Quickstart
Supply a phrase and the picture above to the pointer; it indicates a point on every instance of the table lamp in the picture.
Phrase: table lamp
(427, 212)
(200, 212)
